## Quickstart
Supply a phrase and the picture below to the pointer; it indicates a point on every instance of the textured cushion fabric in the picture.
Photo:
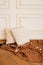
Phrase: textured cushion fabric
(9, 37)
(21, 35)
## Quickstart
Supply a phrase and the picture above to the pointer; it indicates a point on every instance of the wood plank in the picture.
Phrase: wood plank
(8, 58)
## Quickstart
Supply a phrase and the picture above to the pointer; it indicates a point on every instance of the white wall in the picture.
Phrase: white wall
(23, 13)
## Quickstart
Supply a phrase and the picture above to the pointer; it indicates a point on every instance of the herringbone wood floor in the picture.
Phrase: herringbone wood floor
(8, 58)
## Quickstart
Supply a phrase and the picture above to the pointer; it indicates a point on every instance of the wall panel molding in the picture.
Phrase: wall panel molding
(36, 33)
(4, 4)
(30, 20)
(28, 4)
(6, 19)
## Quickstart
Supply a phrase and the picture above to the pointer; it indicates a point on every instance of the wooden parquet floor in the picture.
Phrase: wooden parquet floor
(8, 58)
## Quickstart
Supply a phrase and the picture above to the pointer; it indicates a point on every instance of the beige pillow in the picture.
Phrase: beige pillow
(21, 35)
(9, 37)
